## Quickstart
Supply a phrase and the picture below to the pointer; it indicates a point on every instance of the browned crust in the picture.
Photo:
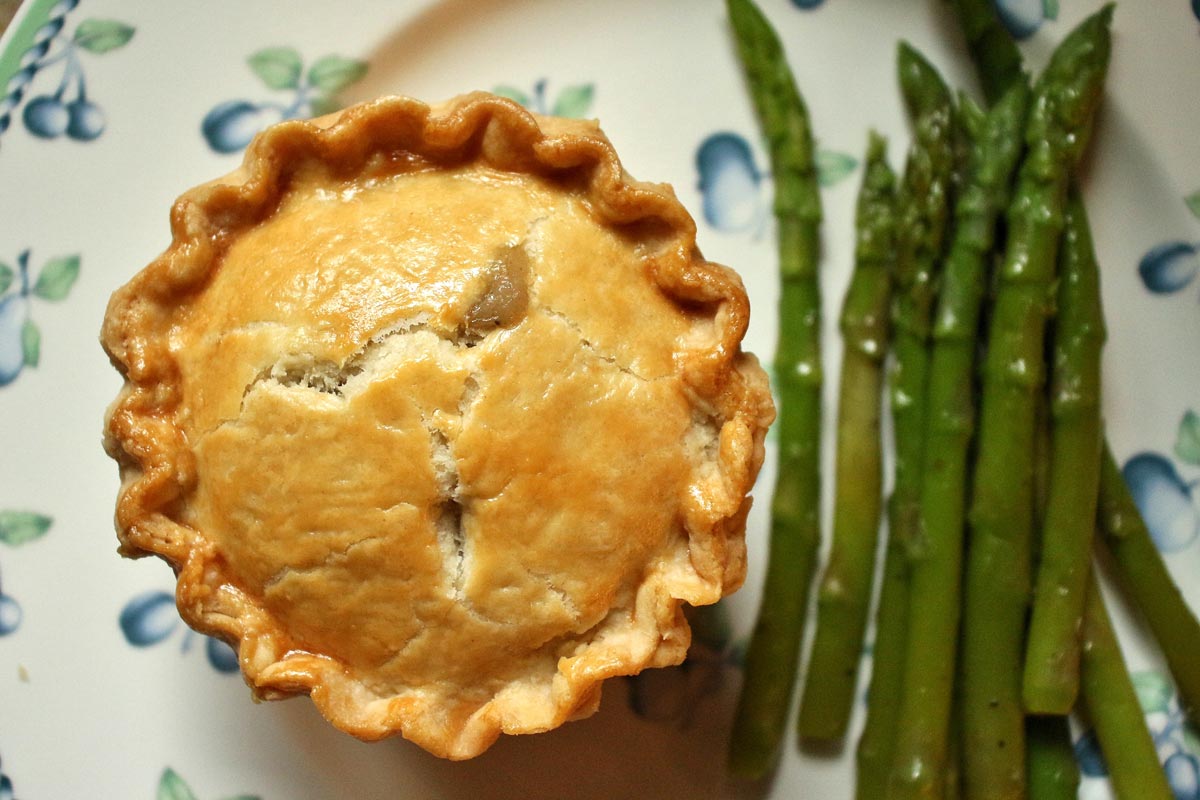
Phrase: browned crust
(156, 464)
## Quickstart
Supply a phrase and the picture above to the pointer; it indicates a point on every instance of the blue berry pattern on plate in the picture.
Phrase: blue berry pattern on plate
(151, 617)
(573, 102)
(20, 337)
(730, 183)
(733, 186)
(229, 126)
(172, 787)
(1171, 266)
(17, 528)
(1175, 738)
(1024, 17)
(1165, 500)
(52, 111)
(6, 787)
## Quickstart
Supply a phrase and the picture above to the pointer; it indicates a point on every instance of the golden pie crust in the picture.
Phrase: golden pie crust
(439, 416)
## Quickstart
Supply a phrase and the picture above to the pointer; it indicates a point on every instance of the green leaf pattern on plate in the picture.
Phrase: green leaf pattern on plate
(1187, 440)
(277, 67)
(31, 344)
(1154, 691)
(1192, 201)
(332, 74)
(833, 167)
(57, 277)
(512, 93)
(20, 337)
(102, 35)
(172, 787)
(573, 101)
(21, 527)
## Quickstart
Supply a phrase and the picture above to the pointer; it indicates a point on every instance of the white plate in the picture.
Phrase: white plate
(103, 693)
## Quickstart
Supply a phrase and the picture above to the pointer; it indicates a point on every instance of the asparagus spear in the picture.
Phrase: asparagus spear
(1144, 576)
(1051, 677)
(1001, 515)
(1113, 707)
(919, 761)
(991, 46)
(1053, 770)
(922, 205)
(874, 753)
(773, 652)
(845, 590)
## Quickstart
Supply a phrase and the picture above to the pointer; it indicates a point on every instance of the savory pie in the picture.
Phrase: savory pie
(439, 416)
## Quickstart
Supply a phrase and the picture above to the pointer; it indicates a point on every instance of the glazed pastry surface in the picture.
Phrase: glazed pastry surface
(440, 415)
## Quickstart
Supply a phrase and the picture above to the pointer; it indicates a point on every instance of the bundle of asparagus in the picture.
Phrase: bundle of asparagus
(990, 626)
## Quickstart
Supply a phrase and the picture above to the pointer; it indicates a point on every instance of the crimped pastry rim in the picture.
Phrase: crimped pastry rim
(157, 467)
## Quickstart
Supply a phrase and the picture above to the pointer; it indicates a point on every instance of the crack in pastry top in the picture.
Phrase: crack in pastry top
(502, 303)
(399, 380)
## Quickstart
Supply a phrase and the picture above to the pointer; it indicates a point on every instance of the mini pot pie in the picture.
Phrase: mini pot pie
(439, 416)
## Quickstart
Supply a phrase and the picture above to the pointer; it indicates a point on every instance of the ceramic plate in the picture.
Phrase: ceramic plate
(112, 108)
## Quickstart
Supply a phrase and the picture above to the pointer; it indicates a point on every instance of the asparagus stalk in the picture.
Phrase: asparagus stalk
(1051, 677)
(992, 48)
(922, 205)
(773, 652)
(845, 589)
(1053, 770)
(1001, 515)
(1146, 578)
(1113, 707)
(920, 758)
(874, 753)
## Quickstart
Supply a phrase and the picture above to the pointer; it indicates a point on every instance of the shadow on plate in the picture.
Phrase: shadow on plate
(613, 754)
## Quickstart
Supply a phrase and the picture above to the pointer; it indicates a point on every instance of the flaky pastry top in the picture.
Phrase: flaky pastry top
(439, 416)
